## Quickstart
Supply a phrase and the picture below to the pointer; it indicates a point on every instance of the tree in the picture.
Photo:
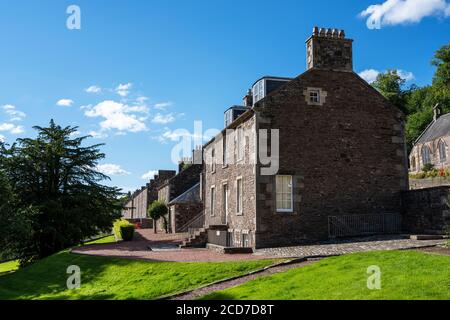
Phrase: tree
(442, 62)
(390, 85)
(158, 210)
(56, 176)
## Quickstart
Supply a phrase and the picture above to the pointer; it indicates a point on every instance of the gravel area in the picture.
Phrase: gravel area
(344, 247)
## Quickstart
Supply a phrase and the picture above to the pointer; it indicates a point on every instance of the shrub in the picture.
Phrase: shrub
(127, 232)
(118, 228)
(428, 167)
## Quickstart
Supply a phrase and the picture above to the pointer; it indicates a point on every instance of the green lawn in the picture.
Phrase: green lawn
(112, 278)
(9, 266)
(107, 239)
(405, 275)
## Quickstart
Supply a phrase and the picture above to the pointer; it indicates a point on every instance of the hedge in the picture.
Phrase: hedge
(122, 230)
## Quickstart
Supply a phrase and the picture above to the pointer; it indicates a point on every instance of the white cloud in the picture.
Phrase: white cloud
(141, 100)
(11, 128)
(98, 134)
(370, 75)
(176, 135)
(162, 105)
(123, 89)
(406, 75)
(163, 119)
(149, 175)
(2, 138)
(75, 134)
(93, 89)
(118, 116)
(14, 114)
(64, 103)
(112, 169)
(393, 12)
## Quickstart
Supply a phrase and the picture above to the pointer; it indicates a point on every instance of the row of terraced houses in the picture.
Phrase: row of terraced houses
(335, 164)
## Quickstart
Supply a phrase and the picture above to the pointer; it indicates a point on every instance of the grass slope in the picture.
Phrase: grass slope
(405, 275)
(9, 266)
(112, 278)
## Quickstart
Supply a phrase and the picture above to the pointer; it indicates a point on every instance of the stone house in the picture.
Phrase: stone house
(432, 145)
(340, 164)
(135, 210)
(173, 188)
(185, 208)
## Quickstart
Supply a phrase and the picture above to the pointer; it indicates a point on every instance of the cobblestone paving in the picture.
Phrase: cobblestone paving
(357, 245)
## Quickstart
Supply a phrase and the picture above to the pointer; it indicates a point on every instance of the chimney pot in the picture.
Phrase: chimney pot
(322, 32)
(315, 31)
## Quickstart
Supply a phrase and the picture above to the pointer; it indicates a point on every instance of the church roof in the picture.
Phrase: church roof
(436, 129)
(190, 196)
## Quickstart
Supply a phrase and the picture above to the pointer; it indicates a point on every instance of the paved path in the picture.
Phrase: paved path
(164, 247)
(159, 247)
(196, 293)
(358, 245)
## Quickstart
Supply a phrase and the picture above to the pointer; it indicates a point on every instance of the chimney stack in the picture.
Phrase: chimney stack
(437, 112)
(329, 49)
(248, 99)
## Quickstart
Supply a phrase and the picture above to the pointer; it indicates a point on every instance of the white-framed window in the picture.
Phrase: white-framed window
(442, 151)
(314, 96)
(426, 155)
(224, 150)
(212, 201)
(240, 143)
(258, 91)
(225, 200)
(239, 196)
(213, 160)
(284, 198)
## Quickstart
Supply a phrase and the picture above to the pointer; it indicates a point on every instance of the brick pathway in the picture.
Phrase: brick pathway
(357, 245)
(164, 247)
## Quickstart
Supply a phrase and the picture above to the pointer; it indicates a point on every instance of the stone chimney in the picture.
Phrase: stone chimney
(329, 49)
(437, 112)
(248, 99)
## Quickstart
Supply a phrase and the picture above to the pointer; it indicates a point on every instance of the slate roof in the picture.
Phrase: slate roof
(437, 129)
(190, 196)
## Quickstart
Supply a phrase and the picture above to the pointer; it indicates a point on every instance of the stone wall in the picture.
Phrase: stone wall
(347, 156)
(426, 210)
(244, 169)
(180, 214)
(428, 183)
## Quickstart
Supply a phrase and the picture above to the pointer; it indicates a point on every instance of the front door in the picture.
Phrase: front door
(225, 202)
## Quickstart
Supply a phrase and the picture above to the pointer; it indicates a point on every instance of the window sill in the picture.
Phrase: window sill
(287, 213)
(239, 214)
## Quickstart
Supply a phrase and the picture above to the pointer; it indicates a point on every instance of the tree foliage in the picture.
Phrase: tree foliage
(56, 177)
(158, 210)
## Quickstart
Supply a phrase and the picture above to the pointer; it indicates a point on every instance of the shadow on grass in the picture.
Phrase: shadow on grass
(47, 278)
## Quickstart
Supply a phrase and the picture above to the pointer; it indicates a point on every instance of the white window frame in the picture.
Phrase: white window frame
(225, 199)
(314, 96)
(212, 200)
(282, 210)
(213, 160)
(224, 151)
(240, 138)
(239, 196)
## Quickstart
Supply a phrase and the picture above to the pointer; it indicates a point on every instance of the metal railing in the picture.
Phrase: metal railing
(364, 224)
(194, 224)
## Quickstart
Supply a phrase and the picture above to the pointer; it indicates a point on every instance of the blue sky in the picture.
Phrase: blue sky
(155, 66)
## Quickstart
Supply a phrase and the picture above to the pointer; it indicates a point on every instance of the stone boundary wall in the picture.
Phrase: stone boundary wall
(415, 184)
(426, 210)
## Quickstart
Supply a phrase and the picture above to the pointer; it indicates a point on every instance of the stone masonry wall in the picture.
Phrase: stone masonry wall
(180, 214)
(426, 210)
(347, 156)
(238, 223)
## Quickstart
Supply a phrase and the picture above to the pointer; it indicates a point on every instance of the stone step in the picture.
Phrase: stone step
(427, 237)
